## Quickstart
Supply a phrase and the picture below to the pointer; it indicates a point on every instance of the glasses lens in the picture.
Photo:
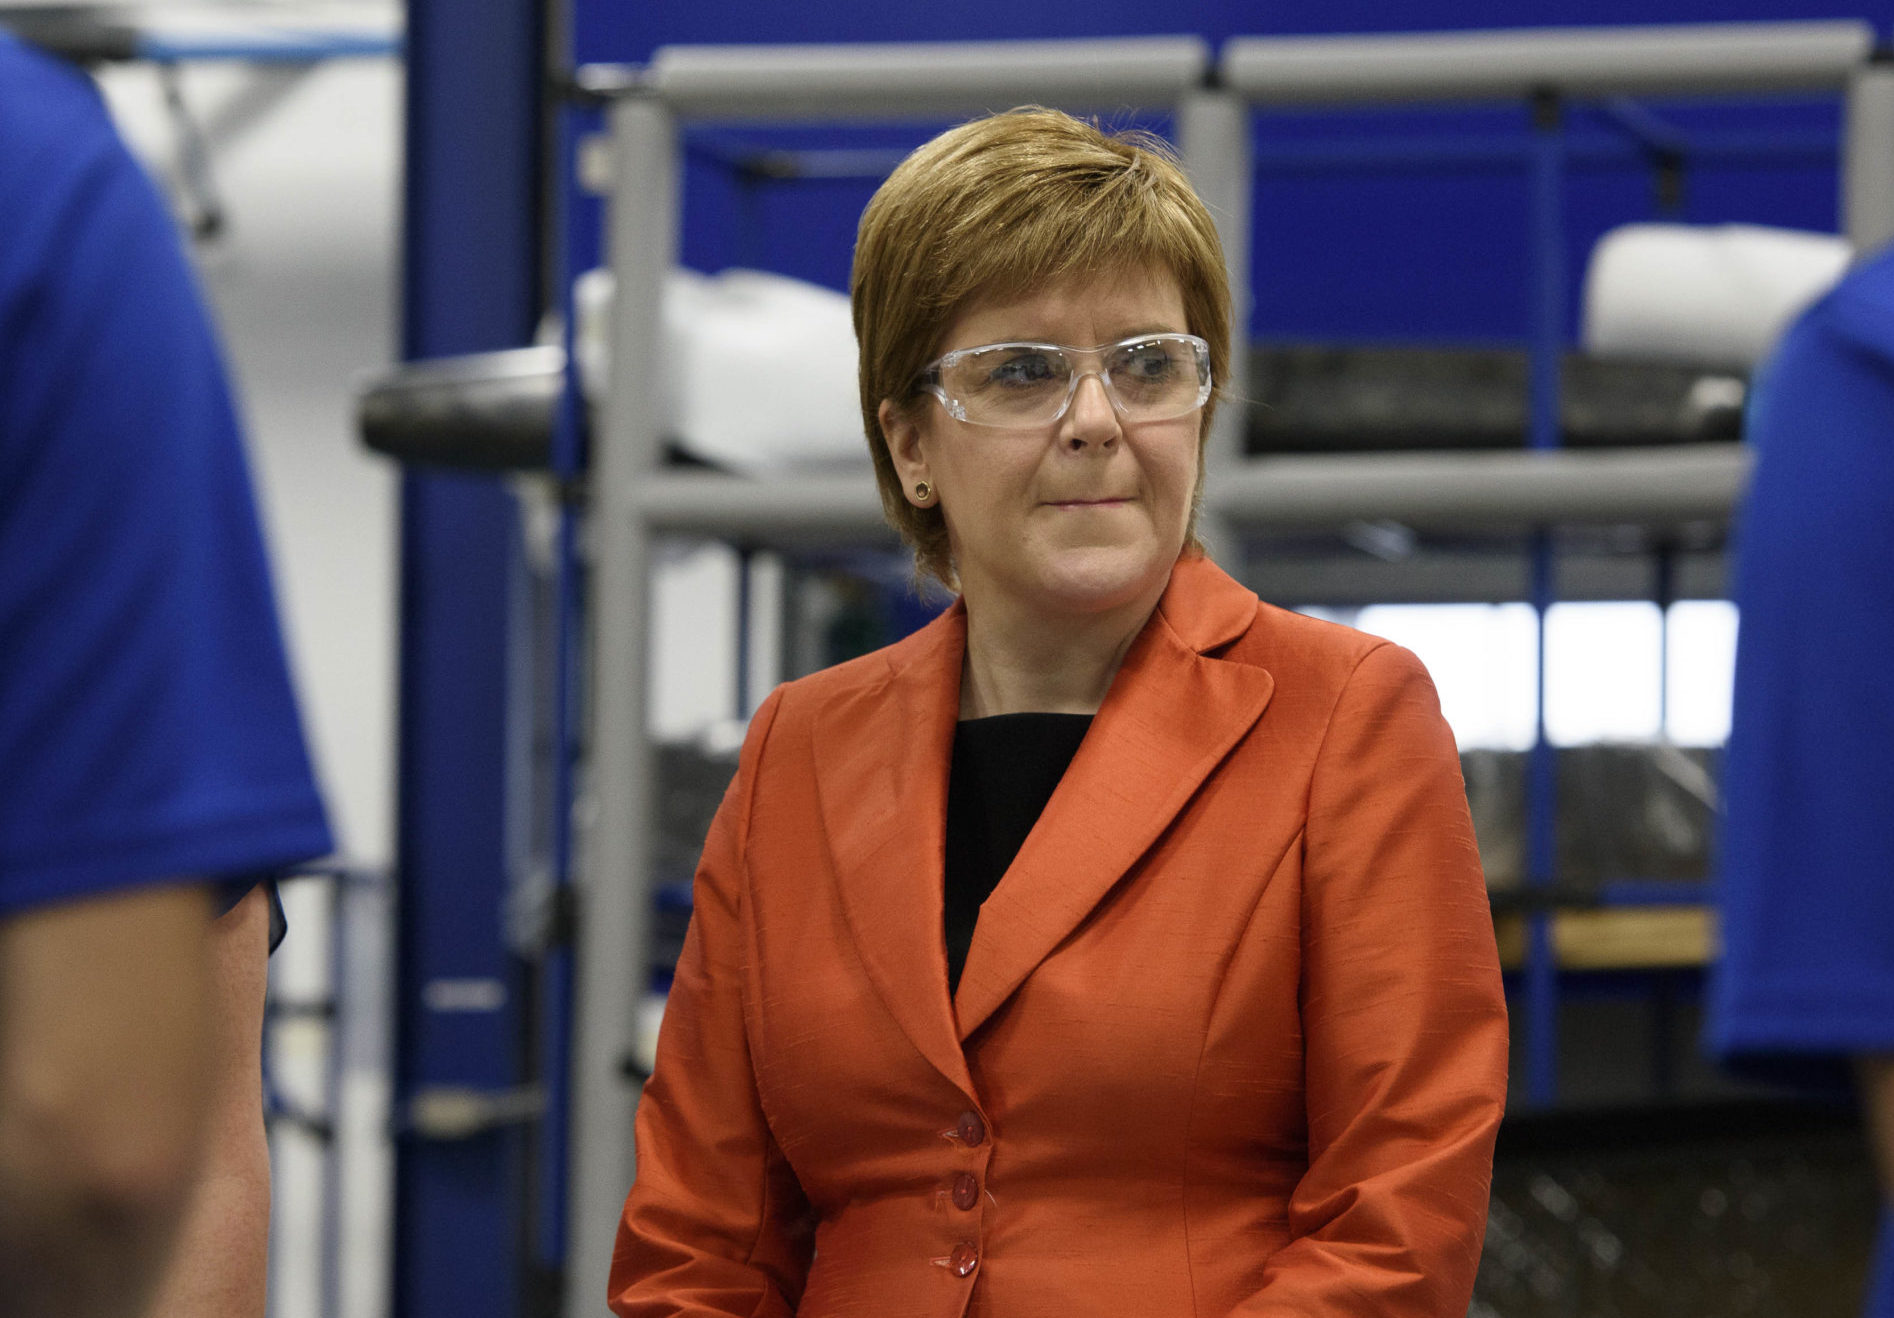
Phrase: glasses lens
(1009, 384)
(1029, 384)
(1157, 378)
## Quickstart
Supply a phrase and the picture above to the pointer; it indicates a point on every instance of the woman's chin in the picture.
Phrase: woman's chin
(1100, 579)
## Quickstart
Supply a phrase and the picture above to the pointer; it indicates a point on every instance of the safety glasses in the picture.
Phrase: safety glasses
(1016, 386)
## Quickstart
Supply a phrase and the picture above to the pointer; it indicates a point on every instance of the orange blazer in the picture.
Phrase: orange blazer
(1230, 1039)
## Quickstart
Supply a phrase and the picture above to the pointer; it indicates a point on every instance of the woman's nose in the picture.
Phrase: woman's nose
(1091, 420)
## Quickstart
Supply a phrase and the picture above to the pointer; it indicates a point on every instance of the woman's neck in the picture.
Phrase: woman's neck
(1021, 662)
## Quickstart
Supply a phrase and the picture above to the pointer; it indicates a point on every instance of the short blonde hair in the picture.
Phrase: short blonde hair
(1006, 205)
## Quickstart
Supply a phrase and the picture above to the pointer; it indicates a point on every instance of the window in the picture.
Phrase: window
(1616, 671)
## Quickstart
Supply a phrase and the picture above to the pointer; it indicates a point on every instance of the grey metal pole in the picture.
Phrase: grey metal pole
(1288, 492)
(617, 814)
(1659, 486)
(1213, 136)
(921, 80)
(786, 511)
(1867, 179)
(364, 1051)
(1513, 64)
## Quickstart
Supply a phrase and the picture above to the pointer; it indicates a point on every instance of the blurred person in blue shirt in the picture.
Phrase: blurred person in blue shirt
(152, 767)
(1805, 990)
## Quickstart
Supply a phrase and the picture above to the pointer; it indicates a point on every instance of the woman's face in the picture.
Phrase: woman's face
(1081, 515)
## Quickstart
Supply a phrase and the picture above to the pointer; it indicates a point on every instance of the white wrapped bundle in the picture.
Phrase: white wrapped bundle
(1710, 294)
(758, 369)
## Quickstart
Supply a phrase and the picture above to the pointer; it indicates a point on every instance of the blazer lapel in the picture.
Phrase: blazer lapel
(1171, 716)
(882, 755)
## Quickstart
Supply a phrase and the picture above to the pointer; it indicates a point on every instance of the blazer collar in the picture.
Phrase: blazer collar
(1171, 716)
(883, 750)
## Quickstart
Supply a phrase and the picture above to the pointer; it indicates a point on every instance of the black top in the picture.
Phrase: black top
(1004, 771)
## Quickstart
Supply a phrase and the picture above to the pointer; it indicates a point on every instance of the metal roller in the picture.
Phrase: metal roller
(489, 411)
(930, 80)
(1516, 63)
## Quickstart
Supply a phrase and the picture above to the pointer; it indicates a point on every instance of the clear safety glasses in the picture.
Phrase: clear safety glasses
(1153, 377)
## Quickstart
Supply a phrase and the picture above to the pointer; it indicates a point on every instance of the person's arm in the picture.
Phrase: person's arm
(716, 1225)
(1876, 1074)
(102, 1096)
(220, 1263)
(1403, 1017)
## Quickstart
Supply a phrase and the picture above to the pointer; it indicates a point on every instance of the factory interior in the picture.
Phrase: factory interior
(537, 314)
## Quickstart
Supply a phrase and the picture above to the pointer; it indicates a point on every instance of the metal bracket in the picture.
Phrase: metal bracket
(458, 1112)
(203, 205)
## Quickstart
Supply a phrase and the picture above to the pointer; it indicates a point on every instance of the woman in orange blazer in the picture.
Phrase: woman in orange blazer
(1227, 1035)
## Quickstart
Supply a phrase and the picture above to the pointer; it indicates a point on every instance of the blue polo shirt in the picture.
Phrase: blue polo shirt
(1807, 854)
(147, 728)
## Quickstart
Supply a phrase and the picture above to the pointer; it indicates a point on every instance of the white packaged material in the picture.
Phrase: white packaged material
(1708, 294)
(758, 368)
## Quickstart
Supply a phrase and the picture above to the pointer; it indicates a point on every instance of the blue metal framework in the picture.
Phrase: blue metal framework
(473, 247)
(470, 252)
(1543, 432)
(1546, 158)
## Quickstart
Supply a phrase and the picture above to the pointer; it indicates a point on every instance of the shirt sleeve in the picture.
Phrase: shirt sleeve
(231, 892)
(1403, 1015)
(147, 726)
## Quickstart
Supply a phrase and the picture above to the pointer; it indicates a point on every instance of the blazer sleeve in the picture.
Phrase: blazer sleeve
(1403, 1017)
(716, 1222)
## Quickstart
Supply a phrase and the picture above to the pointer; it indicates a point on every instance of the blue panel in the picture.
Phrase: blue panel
(470, 261)
(606, 31)
(1435, 251)
(1548, 235)
(454, 1211)
(471, 242)
(610, 31)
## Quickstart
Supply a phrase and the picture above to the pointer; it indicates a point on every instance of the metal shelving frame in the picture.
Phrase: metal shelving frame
(636, 500)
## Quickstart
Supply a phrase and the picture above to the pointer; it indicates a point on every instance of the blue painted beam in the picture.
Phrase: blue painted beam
(264, 47)
(470, 270)
(1542, 800)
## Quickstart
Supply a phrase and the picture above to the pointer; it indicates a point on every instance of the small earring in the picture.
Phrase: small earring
(923, 491)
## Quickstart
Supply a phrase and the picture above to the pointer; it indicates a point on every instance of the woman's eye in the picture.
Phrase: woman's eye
(1152, 361)
(1028, 368)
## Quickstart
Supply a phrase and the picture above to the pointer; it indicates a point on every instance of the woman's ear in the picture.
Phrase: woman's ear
(902, 433)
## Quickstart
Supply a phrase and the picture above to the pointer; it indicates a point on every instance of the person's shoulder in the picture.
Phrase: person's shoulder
(865, 675)
(51, 111)
(829, 692)
(29, 75)
(1319, 666)
(1287, 642)
(1859, 309)
(65, 174)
